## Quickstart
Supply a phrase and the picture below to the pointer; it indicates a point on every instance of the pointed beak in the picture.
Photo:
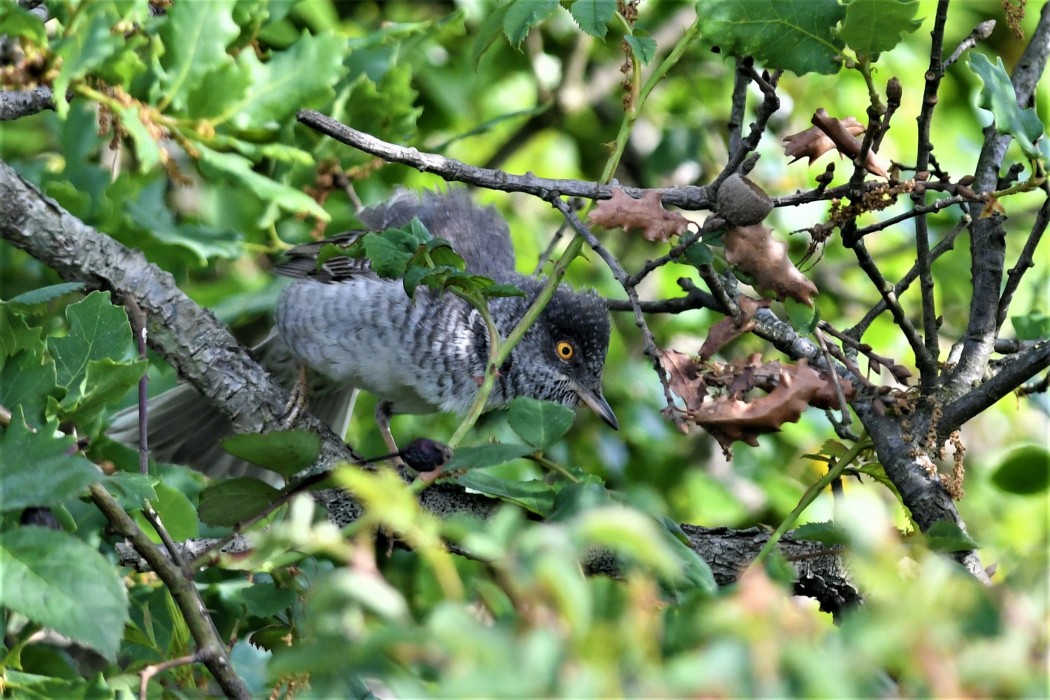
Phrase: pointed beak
(597, 403)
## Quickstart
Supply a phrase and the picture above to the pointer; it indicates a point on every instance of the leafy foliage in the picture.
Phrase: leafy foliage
(175, 134)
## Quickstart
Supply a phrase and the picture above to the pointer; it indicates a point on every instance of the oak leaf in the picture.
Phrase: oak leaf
(753, 250)
(646, 214)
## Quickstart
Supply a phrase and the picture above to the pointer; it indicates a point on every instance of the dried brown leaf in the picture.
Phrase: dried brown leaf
(647, 214)
(843, 133)
(731, 327)
(684, 378)
(729, 419)
(753, 250)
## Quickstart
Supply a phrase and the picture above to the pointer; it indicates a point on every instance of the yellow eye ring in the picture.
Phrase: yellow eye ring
(566, 350)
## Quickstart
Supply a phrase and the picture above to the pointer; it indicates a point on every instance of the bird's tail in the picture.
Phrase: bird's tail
(186, 428)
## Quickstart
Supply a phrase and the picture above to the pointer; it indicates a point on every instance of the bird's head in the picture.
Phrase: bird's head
(562, 355)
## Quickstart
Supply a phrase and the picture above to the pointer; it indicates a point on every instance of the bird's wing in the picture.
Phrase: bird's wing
(301, 261)
(478, 234)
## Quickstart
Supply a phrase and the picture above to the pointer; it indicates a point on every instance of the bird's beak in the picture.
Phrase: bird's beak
(597, 403)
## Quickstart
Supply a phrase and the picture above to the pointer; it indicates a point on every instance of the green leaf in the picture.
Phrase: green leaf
(629, 533)
(17, 21)
(391, 251)
(286, 452)
(643, 48)
(593, 16)
(487, 33)
(804, 318)
(539, 423)
(281, 86)
(266, 599)
(871, 27)
(387, 106)
(46, 294)
(147, 151)
(1032, 326)
(16, 335)
(132, 489)
(945, 536)
(239, 170)
(574, 499)
(999, 98)
(195, 37)
(235, 500)
(826, 533)
(695, 571)
(1025, 471)
(523, 15)
(699, 254)
(149, 210)
(534, 495)
(501, 290)
(96, 362)
(27, 457)
(791, 34)
(28, 381)
(490, 455)
(177, 514)
(61, 583)
(87, 44)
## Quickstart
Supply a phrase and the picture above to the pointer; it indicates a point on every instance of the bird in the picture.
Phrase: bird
(351, 329)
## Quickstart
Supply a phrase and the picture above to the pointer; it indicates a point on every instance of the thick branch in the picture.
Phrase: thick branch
(21, 103)
(987, 235)
(194, 341)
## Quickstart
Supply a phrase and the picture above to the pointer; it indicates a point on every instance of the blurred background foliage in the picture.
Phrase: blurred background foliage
(415, 74)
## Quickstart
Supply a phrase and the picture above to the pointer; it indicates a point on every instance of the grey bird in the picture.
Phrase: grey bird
(354, 330)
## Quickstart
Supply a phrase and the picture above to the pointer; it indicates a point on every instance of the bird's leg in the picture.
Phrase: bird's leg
(384, 409)
(300, 391)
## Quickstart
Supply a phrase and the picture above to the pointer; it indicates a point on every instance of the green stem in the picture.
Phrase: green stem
(554, 467)
(834, 471)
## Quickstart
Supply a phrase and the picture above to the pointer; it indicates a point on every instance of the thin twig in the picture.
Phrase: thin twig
(1024, 261)
(981, 32)
(153, 669)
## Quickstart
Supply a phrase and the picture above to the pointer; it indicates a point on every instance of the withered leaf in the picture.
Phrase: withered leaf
(731, 327)
(684, 378)
(753, 250)
(647, 214)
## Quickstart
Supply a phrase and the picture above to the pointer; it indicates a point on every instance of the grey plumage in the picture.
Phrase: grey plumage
(353, 329)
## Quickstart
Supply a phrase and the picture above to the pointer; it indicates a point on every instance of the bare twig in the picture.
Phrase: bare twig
(981, 32)
(1024, 261)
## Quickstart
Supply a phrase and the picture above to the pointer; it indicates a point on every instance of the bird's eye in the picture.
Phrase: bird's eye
(566, 350)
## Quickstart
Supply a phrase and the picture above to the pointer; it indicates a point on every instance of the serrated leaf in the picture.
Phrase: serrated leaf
(593, 16)
(286, 452)
(945, 536)
(239, 170)
(487, 33)
(479, 456)
(523, 15)
(235, 500)
(871, 27)
(539, 423)
(60, 582)
(195, 37)
(791, 34)
(501, 290)
(27, 455)
(643, 48)
(826, 533)
(1025, 471)
(535, 495)
(46, 294)
(999, 98)
(391, 251)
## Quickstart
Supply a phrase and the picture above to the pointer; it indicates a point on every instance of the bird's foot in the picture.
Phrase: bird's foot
(297, 402)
